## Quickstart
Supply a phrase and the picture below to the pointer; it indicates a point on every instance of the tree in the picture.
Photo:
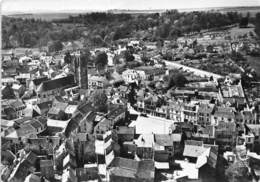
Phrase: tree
(99, 100)
(132, 96)
(244, 22)
(101, 60)
(128, 56)
(55, 46)
(67, 58)
(177, 79)
(237, 173)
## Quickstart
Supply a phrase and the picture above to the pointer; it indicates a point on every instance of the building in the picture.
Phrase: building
(36, 82)
(47, 90)
(204, 114)
(81, 70)
(122, 170)
(223, 114)
(18, 90)
(190, 113)
(47, 169)
(97, 82)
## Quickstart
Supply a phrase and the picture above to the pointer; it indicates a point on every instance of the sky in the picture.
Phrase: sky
(10, 6)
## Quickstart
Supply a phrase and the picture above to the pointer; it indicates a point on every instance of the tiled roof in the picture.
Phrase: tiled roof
(125, 130)
(17, 104)
(56, 83)
(38, 81)
(85, 108)
(132, 169)
(167, 140)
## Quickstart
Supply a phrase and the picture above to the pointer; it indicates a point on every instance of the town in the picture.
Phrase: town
(178, 109)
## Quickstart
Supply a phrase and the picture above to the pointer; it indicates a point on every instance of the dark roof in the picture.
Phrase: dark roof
(132, 168)
(36, 124)
(73, 124)
(56, 83)
(205, 108)
(46, 163)
(45, 105)
(167, 140)
(54, 111)
(38, 81)
(125, 130)
(59, 105)
(17, 104)
(85, 108)
(115, 112)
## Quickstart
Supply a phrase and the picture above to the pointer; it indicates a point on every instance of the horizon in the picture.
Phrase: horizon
(12, 7)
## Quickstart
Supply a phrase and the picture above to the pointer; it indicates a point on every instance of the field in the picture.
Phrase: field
(44, 16)
(236, 31)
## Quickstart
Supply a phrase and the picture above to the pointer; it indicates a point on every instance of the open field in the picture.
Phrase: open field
(236, 31)
(44, 16)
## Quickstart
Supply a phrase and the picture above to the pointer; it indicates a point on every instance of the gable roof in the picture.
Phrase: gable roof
(125, 130)
(38, 81)
(17, 104)
(132, 169)
(167, 140)
(85, 108)
(56, 83)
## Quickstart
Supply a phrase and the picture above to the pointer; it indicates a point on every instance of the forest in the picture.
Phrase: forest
(104, 29)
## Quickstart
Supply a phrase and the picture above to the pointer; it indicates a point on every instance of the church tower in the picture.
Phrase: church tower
(81, 70)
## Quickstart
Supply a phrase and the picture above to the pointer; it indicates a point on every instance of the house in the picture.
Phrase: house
(125, 133)
(223, 114)
(145, 146)
(69, 162)
(43, 107)
(117, 114)
(23, 78)
(175, 111)
(7, 92)
(122, 170)
(204, 113)
(89, 172)
(131, 76)
(47, 169)
(225, 133)
(69, 175)
(8, 81)
(26, 165)
(57, 111)
(150, 72)
(35, 83)
(28, 129)
(104, 148)
(44, 145)
(13, 109)
(170, 143)
(190, 113)
(200, 153)
(72, 93)
(47, 90)
(18, 90)
(97, 82)
(32, 178)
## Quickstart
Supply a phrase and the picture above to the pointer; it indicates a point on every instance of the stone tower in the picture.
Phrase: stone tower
(81, 70)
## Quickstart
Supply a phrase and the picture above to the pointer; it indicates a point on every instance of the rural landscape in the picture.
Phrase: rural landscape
(125, 95)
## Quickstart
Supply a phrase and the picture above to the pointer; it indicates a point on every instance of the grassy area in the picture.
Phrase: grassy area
(255, 64)
(236, 31)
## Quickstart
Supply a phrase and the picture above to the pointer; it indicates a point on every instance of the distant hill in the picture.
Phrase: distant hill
(49, 16)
